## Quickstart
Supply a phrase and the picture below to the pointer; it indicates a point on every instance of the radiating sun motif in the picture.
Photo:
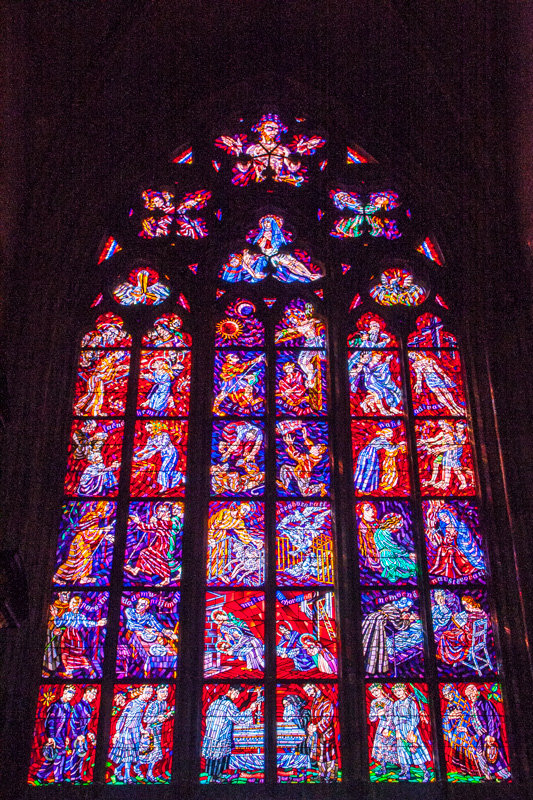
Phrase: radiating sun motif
(229, 329)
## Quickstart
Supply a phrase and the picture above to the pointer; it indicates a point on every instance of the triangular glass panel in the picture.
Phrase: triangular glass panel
(430, 249)
(356, 302)
(109, 249)
(440, 301)
(97, 300)
(220, 292)
(182, 300)
(356, 155)
(183, 155)
(193, 268)
(269, 301)
(345, 268)
(319, 293)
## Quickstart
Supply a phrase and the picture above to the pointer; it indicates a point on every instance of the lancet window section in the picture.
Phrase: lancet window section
(139, 596)
(427, 635)
(270, 416)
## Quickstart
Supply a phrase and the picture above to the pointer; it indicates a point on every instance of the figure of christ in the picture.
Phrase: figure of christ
(457, 553)
(245, 266)
(90, 533)
(150, 747)
(96, 478)
(106, 367)
(57, 729)
(291, 646)
(237, 381)
(292, 390)
(236, 640)
(370, 475)
(455, 727)
(395, 615)
(485, 724)
(222, 716)
(74, 648)
(384, 747)
(371, 337)
(406, 718)
(427, 370)
(288, 268)
(302, 324)
(126, 740)
(446, 448)
(143, 627)
(155, 557)
(161, 373)
(380, 386)
(321, 738)
(454, 644)
(305, 464)
(52, 649)
(160, 443)
(81, 736)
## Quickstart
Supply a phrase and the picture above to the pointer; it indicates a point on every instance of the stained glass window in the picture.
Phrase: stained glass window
(239, 528)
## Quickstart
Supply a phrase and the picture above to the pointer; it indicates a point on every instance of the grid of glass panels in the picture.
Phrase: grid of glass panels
(426, 625)
(141, 599)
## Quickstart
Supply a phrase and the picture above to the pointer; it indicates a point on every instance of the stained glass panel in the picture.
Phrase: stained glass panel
(240, 326)
(299, 327)
(306, 634)
(430, 332)
(301, 387)
(142, 723)
(375, 383)
(399, 733)
(166, 332)
(142, 287)
(94, 458)
(102, 383)
(108, 332)
(267, 155)
(75, 635)
(475, 738)
(393, 636)
(385, 542)
(372, 334)
(302, 458)
(153, 544)
(463, 633)
(64, 739)
(236, 544)
(445, 458)
(164, 383)
(232, 734)
(158, 464)
(436, 383)
(453, 542)
(398, 287)
(238, 458)
(85, 544)
(239, 383)
(304, 549)
(308, 741)
(148, 635)
(234, 635)
(380, 458)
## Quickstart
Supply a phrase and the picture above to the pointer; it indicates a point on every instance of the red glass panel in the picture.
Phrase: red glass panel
(164, 383)
(142, 722)
(306, 634)
(436, 383)
(234, 638)
(375, 383)
(94, 458)
(380, 458)
(445, 458)
(102, 383)
(236, 544)
(64, 739)
(159, 455)
(153, 544)
(75, 635)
